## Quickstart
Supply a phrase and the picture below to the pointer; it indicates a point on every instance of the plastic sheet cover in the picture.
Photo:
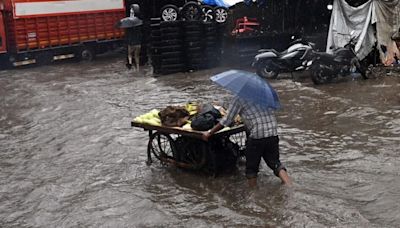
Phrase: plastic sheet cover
(374, 21)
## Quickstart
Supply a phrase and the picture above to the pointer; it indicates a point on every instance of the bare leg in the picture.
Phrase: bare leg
(130, 54)
(137, 57)
(284, 177)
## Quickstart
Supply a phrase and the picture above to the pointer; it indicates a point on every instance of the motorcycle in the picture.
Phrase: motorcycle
(270, 63)
(343, 62)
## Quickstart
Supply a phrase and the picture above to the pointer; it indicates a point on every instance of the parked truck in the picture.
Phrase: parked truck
(42, 31)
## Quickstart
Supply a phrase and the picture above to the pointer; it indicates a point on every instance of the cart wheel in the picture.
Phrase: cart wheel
(162, 147)
(192, 153)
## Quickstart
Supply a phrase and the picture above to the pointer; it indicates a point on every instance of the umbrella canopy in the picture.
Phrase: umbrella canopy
(248, 86)
(129, 22)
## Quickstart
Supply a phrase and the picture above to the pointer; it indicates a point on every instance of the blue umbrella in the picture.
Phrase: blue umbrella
(248, 86)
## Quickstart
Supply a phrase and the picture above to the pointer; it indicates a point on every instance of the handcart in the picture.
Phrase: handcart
(184, 148)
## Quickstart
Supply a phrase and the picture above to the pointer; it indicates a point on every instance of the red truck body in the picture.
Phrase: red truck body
(33, 29)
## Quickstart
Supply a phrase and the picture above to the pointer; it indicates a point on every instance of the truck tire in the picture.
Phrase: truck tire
(169, 13)
(86, 54)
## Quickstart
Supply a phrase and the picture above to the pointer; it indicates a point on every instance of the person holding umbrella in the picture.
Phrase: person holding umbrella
(255, 101)
(133, 36)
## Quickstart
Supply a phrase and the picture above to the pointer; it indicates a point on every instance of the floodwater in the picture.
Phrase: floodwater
(69, 158)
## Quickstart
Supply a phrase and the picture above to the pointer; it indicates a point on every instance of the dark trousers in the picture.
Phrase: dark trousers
(266, 148)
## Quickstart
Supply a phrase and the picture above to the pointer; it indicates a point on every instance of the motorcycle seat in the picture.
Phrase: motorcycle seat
(270, 50)
(324, 54)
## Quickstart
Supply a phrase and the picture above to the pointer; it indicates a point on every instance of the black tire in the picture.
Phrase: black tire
(194, 44)
(155, 20)
(173, 66)
(155, 26)
(171, 30)
(171, 48)
(155, 33)
(170, 24)
(170, 61)
(193, 29)
(172, 42)
(362, 67)
(265, 70)
(193, 33)
(169, 13)
(155, 50)
(195, 49)
(172, 36)
(162, 147)
(221, 14)
(155, 43)
(318, 76)
(208, 13)
(174, 54)
(155, 38)
(195, 55)
(191, 11)
(193, 39)
(87, 54)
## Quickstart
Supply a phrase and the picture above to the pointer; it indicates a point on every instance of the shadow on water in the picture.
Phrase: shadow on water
(69, 157)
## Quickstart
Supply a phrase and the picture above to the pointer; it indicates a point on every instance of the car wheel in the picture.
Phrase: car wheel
(169, 13)
(221, 14)
(208, 13)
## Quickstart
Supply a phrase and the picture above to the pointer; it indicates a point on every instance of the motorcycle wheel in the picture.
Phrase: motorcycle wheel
(319, 77)
(363, 69)
(265, 71)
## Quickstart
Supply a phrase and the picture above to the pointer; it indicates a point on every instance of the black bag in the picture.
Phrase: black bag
(206, 118)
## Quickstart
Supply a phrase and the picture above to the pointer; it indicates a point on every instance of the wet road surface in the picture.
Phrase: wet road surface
(69, 158)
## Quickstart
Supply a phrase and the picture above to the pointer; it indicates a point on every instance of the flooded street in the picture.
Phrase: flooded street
(69, 157)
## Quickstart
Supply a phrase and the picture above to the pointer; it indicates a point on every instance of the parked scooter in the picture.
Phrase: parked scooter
(270, 63)
(343, 62)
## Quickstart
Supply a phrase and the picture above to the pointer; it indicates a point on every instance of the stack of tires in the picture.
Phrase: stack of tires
(194, 45)
(155, 43)
(180, 46)
(213, 36)
(167, 53)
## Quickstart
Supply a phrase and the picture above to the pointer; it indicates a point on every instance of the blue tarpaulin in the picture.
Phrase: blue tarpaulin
(215, 3)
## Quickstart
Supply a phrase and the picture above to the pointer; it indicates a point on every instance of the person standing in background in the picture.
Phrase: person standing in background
(134, 42)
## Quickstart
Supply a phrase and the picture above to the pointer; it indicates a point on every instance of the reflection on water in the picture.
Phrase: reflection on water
(69, 157)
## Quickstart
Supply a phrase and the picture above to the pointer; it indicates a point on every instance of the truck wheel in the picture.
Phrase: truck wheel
(87, 54)
(191, 11)
(169, 13)
(221, 14)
